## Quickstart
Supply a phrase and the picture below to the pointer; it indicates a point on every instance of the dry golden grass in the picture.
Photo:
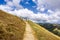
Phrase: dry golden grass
(41, 33)
(11, 27)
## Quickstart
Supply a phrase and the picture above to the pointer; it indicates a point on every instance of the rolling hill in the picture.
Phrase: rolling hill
(54, 28)
(15, 28)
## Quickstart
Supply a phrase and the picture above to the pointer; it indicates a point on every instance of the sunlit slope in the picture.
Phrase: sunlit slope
(11, 27)
(41, 33)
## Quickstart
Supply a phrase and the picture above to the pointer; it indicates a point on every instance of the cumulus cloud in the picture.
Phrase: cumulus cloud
(39, 17)
(53, 4)
(53, 16)
(5, 8)
(14, 3)
(50, 4)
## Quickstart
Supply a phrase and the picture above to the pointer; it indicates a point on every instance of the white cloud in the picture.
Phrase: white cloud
(50, 11)
(17, 3)
(5, 8)
(14, 3)
(27, 3)
(51, 4)
(33, 0)
(53, 16)
(42, 9)
(39, 17)
(9, 3)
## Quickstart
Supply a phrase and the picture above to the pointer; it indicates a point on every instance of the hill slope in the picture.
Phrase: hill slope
(14, 28)
(11, 27)
(41, 33)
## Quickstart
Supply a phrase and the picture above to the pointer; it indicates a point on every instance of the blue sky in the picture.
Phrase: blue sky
(2, 2)
(35, 10)
(25, 3)
(29, 4)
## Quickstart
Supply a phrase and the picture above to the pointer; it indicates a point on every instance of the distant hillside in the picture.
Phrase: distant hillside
(15, 28)
(55, 28)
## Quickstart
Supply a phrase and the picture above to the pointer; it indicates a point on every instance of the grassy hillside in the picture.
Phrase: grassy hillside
(11, 27)
(42, 33)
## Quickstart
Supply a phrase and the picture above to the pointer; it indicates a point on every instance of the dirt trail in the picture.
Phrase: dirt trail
(29, 33)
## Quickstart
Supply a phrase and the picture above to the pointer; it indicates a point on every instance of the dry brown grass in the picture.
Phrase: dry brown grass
(41, 33)
(11, 27)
